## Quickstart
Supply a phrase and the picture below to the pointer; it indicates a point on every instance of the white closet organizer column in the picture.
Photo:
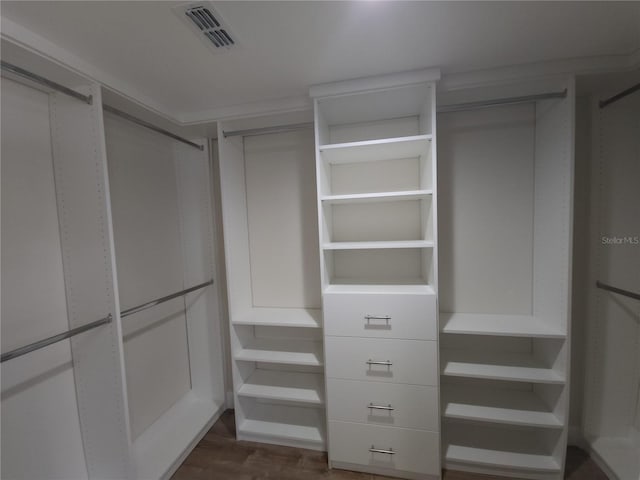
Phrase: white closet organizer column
(377, 204)
(270, 232)
(505, 241)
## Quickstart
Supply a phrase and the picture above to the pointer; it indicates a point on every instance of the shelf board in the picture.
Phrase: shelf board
(282, 351)
(491, 365)
(501, 459)
(374, 150)
(377, 245)
(307, 388)
(280, 317)
(620, 454)
(498, 325)
(513, 407)
(300, 433)
(418, 288)
(377, 197)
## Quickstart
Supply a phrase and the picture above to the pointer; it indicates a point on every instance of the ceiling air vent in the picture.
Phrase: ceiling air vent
(208, 24)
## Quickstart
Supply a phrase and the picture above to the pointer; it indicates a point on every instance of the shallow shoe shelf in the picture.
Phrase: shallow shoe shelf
(377, 197)
(514, 407)
(282, 351)
(499, 325)
(305, 388)
(281, 317)
(374, 150)
(377, 245)
(490, 365)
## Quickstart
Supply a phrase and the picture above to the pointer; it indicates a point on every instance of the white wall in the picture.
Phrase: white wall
(41, 436)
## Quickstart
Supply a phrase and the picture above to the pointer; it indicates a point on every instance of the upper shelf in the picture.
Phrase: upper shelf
(280, 317)
(498, 325)
(282, 351)
(374, 150)
(377, 197)
(377, 245)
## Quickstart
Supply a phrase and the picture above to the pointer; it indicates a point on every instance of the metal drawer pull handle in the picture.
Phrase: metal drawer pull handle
(381, 407)
(375, 362)
(377, 317)
(380, 450)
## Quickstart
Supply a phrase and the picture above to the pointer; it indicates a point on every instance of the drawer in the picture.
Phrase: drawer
(399, 361)
(415, 451)
(381, 316)
(407, 406)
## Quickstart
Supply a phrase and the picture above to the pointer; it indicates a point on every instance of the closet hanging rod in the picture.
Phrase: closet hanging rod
(150, 126)
(265, 130)
(21, 72)
(158, 301)
(18, 352)
(617, 290)
(500, 101)
(619, 96)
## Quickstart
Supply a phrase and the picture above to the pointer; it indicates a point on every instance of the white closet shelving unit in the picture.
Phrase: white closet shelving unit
(612, 386)
(505, 218)
(270, 232)
(376, 169)
(110, 446)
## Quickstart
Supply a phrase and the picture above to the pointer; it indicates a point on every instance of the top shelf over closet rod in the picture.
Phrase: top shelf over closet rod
(500, 101)
(150, 126)
(21, 72)
(619, 96)
(158, 301)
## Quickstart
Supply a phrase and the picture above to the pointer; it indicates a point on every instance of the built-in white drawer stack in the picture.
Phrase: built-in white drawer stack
(382, 383)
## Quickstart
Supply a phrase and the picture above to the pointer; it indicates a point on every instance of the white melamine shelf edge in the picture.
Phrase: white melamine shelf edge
(306, 388)
(286, 431)
(498, 325)
(416, 289)
(512, 407)
(374, 150)
(169, 439)
(380, 196)
(377, 245)
(501, 459)
(519, 367)
(282, 351)
(280, 317)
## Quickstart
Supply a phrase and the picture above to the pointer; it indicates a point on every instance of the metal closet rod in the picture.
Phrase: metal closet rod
(617, 290)
(18, 352)
(621, 95)
(158, 301)
(150, 126)
(265, 130)
(500, 101)
(21, 72)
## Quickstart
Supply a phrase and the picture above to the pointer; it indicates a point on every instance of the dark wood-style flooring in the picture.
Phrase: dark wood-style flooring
(219, 456)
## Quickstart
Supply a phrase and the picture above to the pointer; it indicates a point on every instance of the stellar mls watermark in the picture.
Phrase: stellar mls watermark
(628, 240)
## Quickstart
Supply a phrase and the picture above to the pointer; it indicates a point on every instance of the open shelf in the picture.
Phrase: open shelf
(295, 433)
(375, 150)
(514, 407)
(491, 365)
(285, 352)
(376, 197)
(410, 288)
(281, 317)
(499, 325)
(501, 459)
(620, 455)
(377, 245)
(306, 388)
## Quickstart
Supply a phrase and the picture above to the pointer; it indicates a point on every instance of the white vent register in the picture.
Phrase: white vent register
(207, 24)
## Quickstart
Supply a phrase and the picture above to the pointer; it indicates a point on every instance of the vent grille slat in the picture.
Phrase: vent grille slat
(209, 25)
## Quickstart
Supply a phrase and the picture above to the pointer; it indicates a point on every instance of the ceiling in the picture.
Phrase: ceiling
(284, 47)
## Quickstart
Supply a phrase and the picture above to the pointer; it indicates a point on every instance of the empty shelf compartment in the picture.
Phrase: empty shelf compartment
(499, 325)
(280, 317)
(282, 351)
(277, 385)
(376, 150)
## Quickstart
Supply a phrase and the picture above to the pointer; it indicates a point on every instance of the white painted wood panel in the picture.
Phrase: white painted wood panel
(41, 437)
(416, 451)
(413, 361)
(412, 317)
(413, 406)
(283, 232)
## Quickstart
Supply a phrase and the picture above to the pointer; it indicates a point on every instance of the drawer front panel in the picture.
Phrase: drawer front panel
(382, 360)
(414, 450)
(381, 316)
(386, 404)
